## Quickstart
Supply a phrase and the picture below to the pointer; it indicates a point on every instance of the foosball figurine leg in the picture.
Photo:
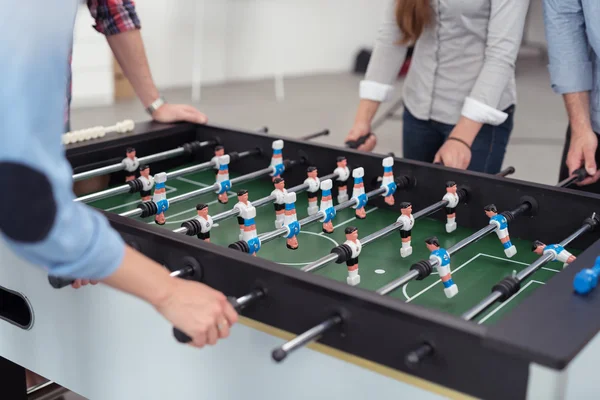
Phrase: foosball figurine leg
(327, 207)
(452, 197)
(358, 192)
(355, 246)
(205, 220)
(313, 183)
(277, 157)
(443, 265)
(343, 174)
(223, 179)
(408, 222)
(250, 236)
(388, 180)
(291, 221)
(160, 198)
(279, 203)
(501, 229)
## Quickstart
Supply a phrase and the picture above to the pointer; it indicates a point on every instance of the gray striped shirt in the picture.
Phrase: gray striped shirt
(463, 63)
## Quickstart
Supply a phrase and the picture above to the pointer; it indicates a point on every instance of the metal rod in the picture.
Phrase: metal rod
(393, 285)
(507, 171)
(321, 262)
(142, 160)
(182, 273)
(315, 135)
(309, 336)
(566, 182)
(199, 192)
(482, 306)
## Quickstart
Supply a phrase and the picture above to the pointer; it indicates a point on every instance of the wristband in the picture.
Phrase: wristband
(459, 140)
(156, 104)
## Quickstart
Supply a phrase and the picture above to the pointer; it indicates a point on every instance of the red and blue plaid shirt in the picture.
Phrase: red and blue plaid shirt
(112, 17)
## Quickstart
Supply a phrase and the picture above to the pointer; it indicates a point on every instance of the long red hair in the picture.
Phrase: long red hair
(412, 16)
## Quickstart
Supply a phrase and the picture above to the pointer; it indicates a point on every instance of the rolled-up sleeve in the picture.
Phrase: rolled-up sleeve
(114, 16)
(39, 219)
(386, 59)
(570, 66)
(504, 36)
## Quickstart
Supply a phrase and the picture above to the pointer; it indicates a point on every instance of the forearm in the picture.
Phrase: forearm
(578, 110)
(366, 111)
(466, 129)
(141, 277)
(128, 48)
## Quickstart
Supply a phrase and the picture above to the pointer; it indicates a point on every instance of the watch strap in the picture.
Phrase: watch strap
(156, 104)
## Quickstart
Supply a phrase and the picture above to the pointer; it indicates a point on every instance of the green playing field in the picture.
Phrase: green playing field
(475, 269)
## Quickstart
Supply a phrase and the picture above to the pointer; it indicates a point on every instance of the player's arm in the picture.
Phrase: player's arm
(385, 63)
(571, 75)
(119, 22)
(504, 35)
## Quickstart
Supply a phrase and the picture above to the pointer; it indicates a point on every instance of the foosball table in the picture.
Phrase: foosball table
(457, 282)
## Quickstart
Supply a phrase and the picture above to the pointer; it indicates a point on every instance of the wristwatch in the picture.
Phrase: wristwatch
(156, 104)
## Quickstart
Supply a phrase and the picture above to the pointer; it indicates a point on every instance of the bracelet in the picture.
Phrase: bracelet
(459, 140)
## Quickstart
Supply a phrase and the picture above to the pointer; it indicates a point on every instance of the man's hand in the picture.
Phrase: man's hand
(168, 113)
(582, 153)
(77, 283)
(359, 130)
(201, 312)
(453, 154)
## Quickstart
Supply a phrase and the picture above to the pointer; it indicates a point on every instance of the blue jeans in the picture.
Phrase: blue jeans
(422, 139)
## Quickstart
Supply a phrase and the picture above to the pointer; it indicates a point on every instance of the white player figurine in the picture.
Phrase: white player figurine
(501, 229)
(558, 252)
(219, 151)
(147, 182)
(388, 180)
(358, 193)
(250, 236)
(442, 258)
(291, 221)
(279, 203)
(352, 241)
(130, 164)
(223, 179)
(408, 222)
(343, 174)
(327, 208)
(452, 198)
(160, 197)
(313, 183)
(277, 159)
(243, 203)
(206, 222)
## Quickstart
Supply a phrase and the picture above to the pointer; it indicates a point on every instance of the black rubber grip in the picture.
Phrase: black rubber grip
(196, 146)
(135, 186)
(59, 283)
(424, 268)
(184, 338)
(148, 208)
(464, 193)
(354, 144)
(581, 174)
(240, 246)
(233, 156)
(193, 226)
(507, 287)
(343, 252)
(405, 182)
(593, 221)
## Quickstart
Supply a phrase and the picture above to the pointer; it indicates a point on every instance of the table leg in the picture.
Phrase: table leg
(14, 385)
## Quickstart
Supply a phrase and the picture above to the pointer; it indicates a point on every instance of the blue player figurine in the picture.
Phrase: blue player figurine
(587, 279)
(501, 229)
(442, 258)
(559, 253)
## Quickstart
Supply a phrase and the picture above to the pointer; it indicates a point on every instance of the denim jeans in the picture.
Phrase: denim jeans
(422, 139)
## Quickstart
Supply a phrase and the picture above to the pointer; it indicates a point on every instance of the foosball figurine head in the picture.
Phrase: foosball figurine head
(279, 183)
(406, 208)
(145, 171)
(538, 247)
(202, 210)
(219, 151)
(490, 210)
(451, 187)
(432, 243)
(242, 196)
(312, 172)
(351, 233)
(130, 152)
(342, 162)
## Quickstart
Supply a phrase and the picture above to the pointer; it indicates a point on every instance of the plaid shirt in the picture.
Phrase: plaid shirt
(112, 17)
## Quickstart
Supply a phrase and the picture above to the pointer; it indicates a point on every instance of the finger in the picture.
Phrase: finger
(589, 155)
(85, 282)
(223, 328)
(369, 144)
(230, 313)
(590, 179)
(574, 160)
(94, 282)
(76, 284)
(212, 335)
(193, 116)
(199, 340)
(437, 158)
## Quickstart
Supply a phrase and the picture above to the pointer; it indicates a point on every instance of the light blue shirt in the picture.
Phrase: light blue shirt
(35, 48)
(573, 35)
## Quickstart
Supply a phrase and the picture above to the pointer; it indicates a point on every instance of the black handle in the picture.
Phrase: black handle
(354, 144)
(581, 174)
(315, 135)
(59, 283)
(184, 338)
(507, 171)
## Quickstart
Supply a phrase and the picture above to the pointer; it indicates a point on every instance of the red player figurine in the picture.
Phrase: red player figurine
(452, 198)
(147, 182)
(279, 203)
(130, 164)
(355, 245)
(205, 221)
